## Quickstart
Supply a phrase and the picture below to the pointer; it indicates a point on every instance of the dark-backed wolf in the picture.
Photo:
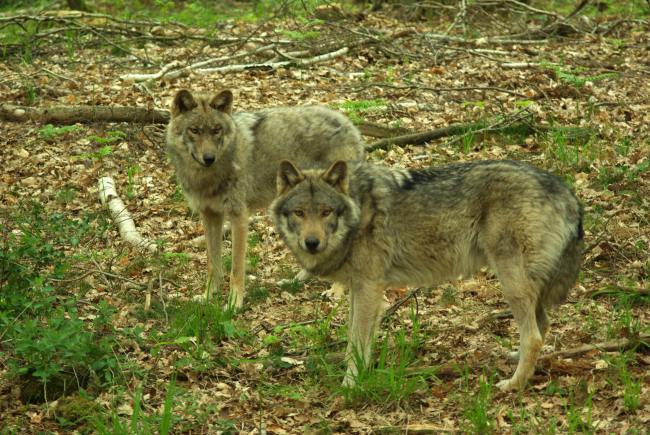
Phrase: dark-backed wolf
(369, 227)
(226, 163)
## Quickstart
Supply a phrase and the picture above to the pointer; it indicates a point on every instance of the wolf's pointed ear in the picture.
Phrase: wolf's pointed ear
(337, 176)
(288, 176)
(222, 102)
(183, 102)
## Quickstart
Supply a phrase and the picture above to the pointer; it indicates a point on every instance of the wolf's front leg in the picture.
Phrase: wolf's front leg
(365, 312)
(238, 272)
(213, 227)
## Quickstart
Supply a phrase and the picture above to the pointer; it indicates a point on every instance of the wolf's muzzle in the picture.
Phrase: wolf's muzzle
(312, 244)
(209, 159)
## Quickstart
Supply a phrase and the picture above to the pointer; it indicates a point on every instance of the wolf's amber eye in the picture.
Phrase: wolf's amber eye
(216, 130)
(327, 212)
(298, 213)
(194, 130)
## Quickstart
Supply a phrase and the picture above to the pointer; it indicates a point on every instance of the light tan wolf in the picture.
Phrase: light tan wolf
(369, 227)
(226, 163)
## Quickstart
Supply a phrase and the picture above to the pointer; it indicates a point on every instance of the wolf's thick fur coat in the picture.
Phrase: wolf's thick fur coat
(369, 227)
(226, 163)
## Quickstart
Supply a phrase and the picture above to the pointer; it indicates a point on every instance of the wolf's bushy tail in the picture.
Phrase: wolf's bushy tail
(567, 269)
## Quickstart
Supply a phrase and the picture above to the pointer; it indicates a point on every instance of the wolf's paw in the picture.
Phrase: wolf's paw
(513, 356)
(348, 381)
(336, 293)
(201, 299)
(506, 386)
(303, 275)
(235, 302)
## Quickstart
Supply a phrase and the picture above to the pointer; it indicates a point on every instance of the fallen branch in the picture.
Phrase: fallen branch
(427, 136)
(605, 346)
(109, 198)
(451, 130)
(378, 129)
(72, 115)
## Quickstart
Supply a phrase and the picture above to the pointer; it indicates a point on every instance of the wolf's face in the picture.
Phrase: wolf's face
(199, 125)
(313, 212)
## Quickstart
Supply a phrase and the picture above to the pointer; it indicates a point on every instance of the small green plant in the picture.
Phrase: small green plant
(258, 292)
(46, 352)
(523, 103)
(390, 76)
(65, 195)
(111, 136)
(225, 427)
(387, 382)
(292, 286)
(140, 424)
(132, 168)
(532, 420)
(631, 384)
(467, 139)
(30, 92)
(626, 296)
(48, 132)
(569, 75)
(507, 343)
(356, 110)
(574, 413)
(104, 151)
(450, 296)
(609, 175)
(70, 37)
(476, 406)
(477, 104)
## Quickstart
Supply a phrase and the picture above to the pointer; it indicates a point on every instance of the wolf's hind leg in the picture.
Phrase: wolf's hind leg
(522, 295)
(543, 326)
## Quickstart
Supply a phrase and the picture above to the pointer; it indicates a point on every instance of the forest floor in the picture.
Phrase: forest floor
(81, 308)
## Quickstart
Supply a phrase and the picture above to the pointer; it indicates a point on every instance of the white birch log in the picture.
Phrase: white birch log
(120, 214)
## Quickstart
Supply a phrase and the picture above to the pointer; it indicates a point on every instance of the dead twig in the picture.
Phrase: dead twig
(162, 299)
(393, 308)
(59, 76)
(108, 274)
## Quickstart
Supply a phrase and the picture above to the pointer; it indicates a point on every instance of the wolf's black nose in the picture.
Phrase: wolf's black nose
(208, 159)
(311, 243)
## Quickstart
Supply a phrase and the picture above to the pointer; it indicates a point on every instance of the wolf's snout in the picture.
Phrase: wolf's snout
(208, 159)
(311, 243)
